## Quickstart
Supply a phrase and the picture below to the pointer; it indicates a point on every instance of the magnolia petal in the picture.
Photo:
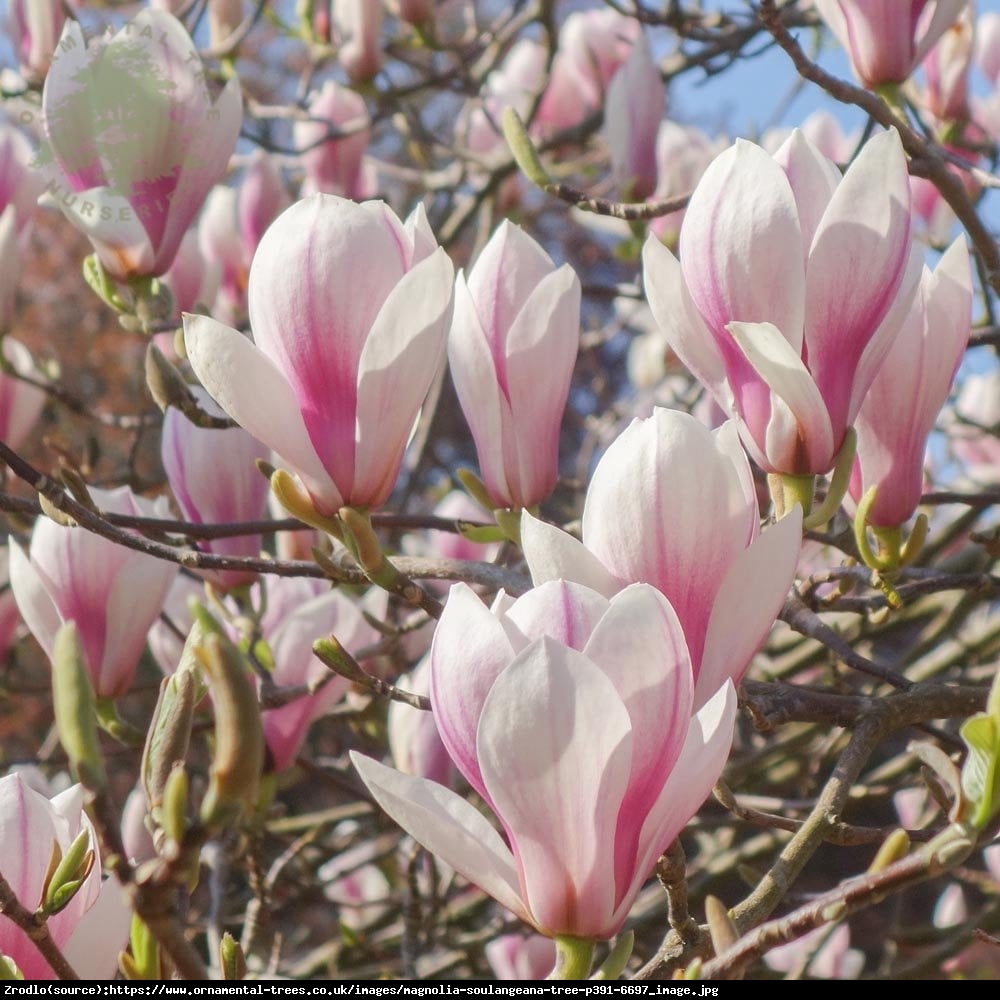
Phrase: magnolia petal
(448, 827)
(554, 554)
(680, 322)
(544, 337)
(748, 603)
(251, 389)
(641, 627)
(741, 245)
(473, 372)
(777, 363)
(469, 651)
(403, 353)
(861, 244)
(33, 601)
(946, 13)
(698, 768)
(554, 746)
(814, 179)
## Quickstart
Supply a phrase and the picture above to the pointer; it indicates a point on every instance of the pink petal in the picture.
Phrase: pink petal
(554, 554)
(555, 747)
(448, 827)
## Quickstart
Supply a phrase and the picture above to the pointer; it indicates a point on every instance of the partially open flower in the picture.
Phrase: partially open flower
(135, 139)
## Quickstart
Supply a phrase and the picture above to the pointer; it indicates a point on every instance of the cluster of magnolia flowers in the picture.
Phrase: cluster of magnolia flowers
(593, 712)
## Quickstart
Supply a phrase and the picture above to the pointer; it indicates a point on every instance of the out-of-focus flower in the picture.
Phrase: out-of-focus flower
(909, 390)
(756, 307)
(10, 617)
(414, 741)
(358, 29)
(21, 403)
(682, 156)
(821, 954)
(19, 189)
(636, 103)
(30, 824)
(514, 956)
(987, 46)
(973, 432)
(215, 480)
(571, 715)
(290, 628)
(232, 225)
(335, 166)
(946, 69)
(137, 839)
(824, 131)
(514, 339)
(35, 26)
(350, 310)
(112, 593)
(135, 140)
(886, 39)
(193, 282)
(673, 505)
(361, 894)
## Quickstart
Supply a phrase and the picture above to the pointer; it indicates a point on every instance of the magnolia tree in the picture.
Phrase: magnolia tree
(466, 520)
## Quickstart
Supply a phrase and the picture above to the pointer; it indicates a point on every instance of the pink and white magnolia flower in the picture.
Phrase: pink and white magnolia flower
(572, 716)
(133, 159)
(294, 621)
(514, 340)
(636, 103)
(20, 186)
(946, 68)
(672, 504)
(346, 349)
(21, 403)
(93, 927)
(232, 225)
(335, 166)
(910, 388)
(821, 954)
(683, 154)
(887, 39)
(215, 480)
(112, 593)
(35, 26)
(193, 282)
(514, 956)
(414, 741)
(358, 28)
(756, 307)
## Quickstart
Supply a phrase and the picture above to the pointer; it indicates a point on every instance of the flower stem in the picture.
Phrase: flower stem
(573, 958)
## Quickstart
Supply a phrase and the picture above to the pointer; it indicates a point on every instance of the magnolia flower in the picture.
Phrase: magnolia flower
(571, 715)
(193, 282)
(20, 186)
(296, 617)
(215, 481)
(514, 340)
(111, 592)
(349, 309)
(683, 154)
(133, 156)
(335, 166)
(35, 26)
(886, 39)
(513, 956)
(93, 927)
(21, 403)
(637, 101)
(358, 26)
(910, 388)
(414, 741)
(673, 505)
(946, 69)
(822, 954)
(973, 429)
(757, 308)
(232, 225)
